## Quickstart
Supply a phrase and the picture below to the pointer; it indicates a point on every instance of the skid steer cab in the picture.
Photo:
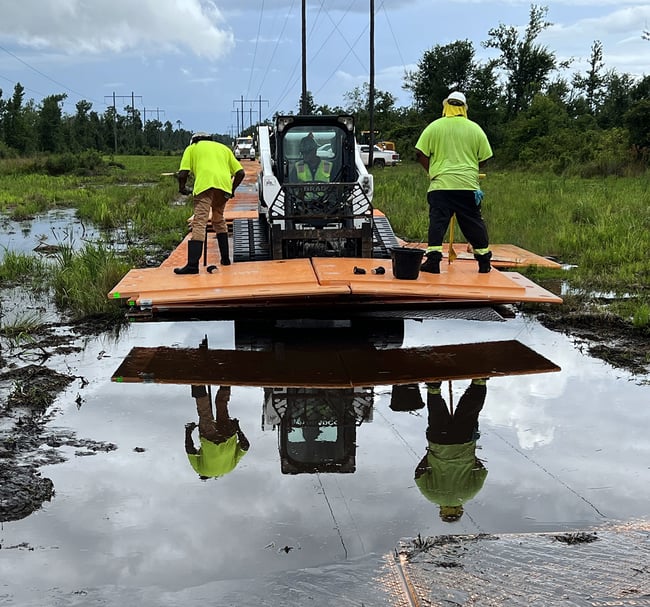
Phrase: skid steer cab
(315, 195)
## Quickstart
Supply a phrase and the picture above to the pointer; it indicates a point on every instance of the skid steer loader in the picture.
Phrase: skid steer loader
(328, 215)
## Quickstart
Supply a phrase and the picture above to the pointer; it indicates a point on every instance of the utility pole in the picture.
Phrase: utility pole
(132, 97)
(371, 91)
(240, 102)
(303, 104)
(157, 110)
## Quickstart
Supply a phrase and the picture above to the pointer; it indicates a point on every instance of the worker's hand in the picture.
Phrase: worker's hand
(190, 426)
(185, 191)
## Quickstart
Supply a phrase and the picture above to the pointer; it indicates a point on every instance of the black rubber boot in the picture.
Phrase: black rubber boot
(484, 262)
(194, 251)
(222, 241)
(432, 262)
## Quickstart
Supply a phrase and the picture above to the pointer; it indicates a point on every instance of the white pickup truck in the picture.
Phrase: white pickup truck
(244, 148)
(380, 158)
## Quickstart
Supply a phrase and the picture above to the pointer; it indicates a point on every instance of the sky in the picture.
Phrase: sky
(212, 65)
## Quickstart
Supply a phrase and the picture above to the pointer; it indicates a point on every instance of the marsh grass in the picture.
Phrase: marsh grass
(81, 279)
(600, 227)
(19, 268)
(21, 329)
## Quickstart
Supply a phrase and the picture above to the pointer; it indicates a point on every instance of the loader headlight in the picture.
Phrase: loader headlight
(366, 184)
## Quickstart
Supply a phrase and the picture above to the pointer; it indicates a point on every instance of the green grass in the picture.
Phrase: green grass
(601, 226)
(82, 279)
(598, 226)
(19, 268)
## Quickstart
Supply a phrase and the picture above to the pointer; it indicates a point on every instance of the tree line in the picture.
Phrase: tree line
(536, 113)
(534, 110)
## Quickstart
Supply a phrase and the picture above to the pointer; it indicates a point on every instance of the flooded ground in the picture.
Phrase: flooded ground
(564, 451)
(44, 233)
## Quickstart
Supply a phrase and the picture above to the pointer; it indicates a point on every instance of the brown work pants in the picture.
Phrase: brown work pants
(209, 199)
(216, 427)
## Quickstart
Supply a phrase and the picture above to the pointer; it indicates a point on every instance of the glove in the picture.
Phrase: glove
(185, 191)
(478, 197)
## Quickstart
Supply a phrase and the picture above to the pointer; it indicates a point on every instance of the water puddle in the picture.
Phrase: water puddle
(44, 232)
(341, 447)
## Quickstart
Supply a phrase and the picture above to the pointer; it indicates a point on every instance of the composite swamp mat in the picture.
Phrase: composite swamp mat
(605, 566)
(317, 281)
(322, 281)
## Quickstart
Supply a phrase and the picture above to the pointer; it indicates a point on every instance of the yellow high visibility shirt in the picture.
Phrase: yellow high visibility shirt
(455, 145)
(212, 164)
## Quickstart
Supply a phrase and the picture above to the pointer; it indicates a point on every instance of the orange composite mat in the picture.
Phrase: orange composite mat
(324, 280)
(310, 280)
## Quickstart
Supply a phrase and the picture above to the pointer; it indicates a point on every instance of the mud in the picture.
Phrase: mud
(27, 395)
(604, 336)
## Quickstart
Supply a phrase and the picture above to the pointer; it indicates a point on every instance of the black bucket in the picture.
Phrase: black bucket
(406, 262)
(406, 397)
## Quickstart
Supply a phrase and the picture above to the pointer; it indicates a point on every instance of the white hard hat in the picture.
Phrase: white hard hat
(199, 136)
(456, 98)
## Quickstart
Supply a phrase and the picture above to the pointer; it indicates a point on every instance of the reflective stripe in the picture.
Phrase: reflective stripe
(323, 171)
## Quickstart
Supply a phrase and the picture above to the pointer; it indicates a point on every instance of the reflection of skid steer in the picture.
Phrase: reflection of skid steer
(317, 427)
(298, 219)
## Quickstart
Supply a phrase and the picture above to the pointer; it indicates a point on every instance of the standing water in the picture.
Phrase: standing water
(563, 449)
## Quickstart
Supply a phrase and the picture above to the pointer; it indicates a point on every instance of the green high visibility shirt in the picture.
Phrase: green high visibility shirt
(453, 475)
(216, 459)
(455, 145)
(212, 164)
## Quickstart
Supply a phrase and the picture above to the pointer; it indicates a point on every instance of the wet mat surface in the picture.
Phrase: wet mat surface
(604, 566)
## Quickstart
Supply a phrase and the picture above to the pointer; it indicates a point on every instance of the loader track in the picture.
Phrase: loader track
(383, 238)
(250, 240)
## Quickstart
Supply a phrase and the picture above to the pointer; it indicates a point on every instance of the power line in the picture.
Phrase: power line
(31, 67)
(257, 39)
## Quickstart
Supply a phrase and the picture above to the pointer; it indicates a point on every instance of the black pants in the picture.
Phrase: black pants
(443, 204)
(446, 429)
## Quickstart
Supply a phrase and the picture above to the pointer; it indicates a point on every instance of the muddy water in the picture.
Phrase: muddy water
(564, 450)
(51, 229)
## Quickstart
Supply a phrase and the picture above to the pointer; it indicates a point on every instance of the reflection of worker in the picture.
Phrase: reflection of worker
(450, 473)
(217, 173)
(223, 443)
(451, 149)
(311, 168)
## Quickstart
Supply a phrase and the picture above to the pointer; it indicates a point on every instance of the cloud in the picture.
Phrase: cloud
(96, 26)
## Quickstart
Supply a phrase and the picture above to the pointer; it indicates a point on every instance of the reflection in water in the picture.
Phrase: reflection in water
(450, 473)
(317, 427)
(316, 395)
(222, 442)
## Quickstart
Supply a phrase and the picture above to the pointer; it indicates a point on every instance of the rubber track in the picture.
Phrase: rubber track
(383, 238)
(250, 240)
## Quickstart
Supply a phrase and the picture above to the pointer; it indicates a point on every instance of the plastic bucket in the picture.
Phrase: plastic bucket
(406, 262)
(406, 397)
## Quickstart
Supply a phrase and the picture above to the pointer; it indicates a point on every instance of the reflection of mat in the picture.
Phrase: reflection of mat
(330, 367)
(605, 566)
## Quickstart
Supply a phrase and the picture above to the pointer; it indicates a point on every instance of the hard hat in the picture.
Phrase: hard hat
(456, 98)
(200, 136)
(450, 514)
(308, 144)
